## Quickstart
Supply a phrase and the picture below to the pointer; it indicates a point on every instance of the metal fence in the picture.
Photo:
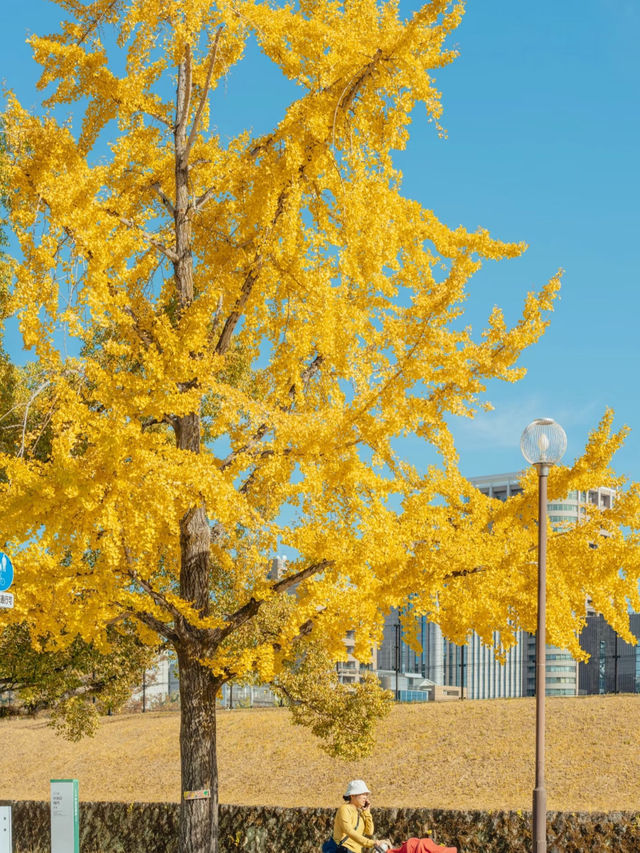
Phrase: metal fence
(162, 694)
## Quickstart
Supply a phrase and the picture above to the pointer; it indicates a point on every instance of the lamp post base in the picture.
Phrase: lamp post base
(539, 820)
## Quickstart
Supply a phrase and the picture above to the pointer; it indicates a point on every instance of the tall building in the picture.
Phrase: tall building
(573, 508)
(613, 665)
(472, 669)
(561, 673)
(561, 668)
(444, 670)
(487, 678)
(408, 674)
(350, 670)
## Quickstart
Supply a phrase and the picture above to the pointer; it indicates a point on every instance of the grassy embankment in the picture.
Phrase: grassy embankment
(458, 755)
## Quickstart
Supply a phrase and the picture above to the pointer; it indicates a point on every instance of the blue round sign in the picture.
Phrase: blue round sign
(6, 572)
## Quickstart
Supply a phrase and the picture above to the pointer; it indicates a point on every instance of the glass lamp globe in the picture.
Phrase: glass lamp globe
(543, 441)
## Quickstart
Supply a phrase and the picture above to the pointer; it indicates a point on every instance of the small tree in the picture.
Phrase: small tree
(75, 683)
(259, 320)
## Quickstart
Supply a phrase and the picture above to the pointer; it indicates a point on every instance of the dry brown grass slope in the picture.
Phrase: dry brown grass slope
(458, 755)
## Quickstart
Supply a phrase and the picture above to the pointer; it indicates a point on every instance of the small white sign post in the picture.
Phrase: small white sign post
(6, 845)
(65, 816)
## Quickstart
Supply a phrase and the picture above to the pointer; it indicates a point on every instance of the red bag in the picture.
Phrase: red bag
(423, 845)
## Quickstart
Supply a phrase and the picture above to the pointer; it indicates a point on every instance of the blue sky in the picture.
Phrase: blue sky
(542, 114)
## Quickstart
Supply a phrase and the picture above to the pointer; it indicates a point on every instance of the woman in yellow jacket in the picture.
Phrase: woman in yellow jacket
(353, 825)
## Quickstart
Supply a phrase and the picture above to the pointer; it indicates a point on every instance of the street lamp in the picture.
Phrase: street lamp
(542, 443)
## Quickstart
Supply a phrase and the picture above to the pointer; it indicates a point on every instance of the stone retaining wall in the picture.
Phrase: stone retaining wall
(152, 828)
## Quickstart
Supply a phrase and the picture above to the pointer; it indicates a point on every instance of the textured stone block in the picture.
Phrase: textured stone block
(153, 828)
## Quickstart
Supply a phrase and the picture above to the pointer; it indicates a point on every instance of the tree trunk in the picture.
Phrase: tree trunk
(198, 831)
(183, 267)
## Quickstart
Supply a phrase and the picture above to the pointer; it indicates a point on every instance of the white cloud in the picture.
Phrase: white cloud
(502, 427)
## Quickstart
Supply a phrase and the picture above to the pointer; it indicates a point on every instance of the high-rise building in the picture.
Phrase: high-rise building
(443, 669)
(350, 670)
(473, 668)
(407, 673)
(613, 665)
(561, 668)
(573, 508)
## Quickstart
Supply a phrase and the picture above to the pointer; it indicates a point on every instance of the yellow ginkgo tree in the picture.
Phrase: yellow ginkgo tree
(231, 335)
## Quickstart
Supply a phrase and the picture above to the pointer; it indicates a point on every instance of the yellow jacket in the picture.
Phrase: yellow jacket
(355, 826)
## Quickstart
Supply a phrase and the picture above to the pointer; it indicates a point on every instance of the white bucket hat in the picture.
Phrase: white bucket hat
(357, 786)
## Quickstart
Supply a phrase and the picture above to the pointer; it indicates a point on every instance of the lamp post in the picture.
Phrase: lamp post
(397, 656)
(542, 443)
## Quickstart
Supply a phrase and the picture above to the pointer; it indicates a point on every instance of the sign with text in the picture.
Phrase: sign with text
(65, 816)
(201, 794)
(6, 599)
(6, 845)
(6, 572)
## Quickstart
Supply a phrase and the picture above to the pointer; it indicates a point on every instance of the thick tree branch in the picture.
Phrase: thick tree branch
(307, 374)
(250, 280)
(169, 420)
(303, 631)
(217, 532)
(203, 96)
(142, 333)
(462, 573)
(203, 199)
(156, 117)
(350, 91)
(157, 597)
(314, 569)
(249, 610)
(262, 430)
(184, 98)
(96, 22)
(232, 320)
(161, 628)
(26, 415)
(255, 439)
(150, 238)
(83, 251)
(165, 198)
